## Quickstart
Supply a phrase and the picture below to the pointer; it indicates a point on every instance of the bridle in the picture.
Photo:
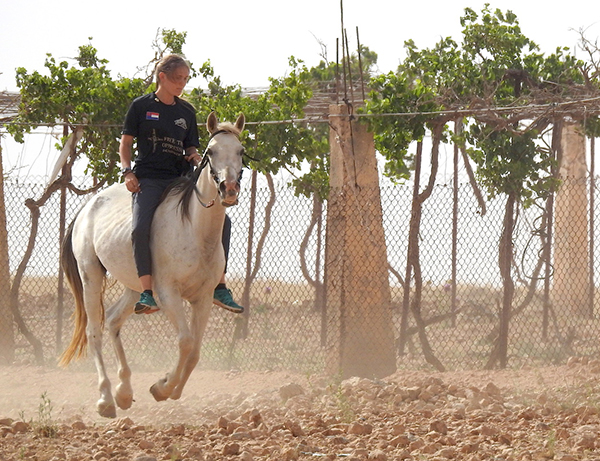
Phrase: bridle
(206, 161)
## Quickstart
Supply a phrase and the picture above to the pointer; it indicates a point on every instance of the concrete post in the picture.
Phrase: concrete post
(360, 332)
(570, 292)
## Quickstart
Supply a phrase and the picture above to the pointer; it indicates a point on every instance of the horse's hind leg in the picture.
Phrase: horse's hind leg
(93, 279)
(115, 318)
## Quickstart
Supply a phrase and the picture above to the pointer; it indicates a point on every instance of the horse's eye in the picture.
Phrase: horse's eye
(209, 152)
(242, 152)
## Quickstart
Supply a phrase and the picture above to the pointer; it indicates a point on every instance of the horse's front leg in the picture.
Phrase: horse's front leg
(172, 306)
(116, 315)
(200, 316)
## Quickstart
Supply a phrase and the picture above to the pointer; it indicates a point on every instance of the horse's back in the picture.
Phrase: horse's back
(102, 233)
(180, 255)
(106, 212)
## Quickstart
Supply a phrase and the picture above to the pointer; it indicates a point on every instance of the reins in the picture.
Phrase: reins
(206, 161)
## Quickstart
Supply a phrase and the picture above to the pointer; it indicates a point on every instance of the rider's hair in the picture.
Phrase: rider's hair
(170, 64)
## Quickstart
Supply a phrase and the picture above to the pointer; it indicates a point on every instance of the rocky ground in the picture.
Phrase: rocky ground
(530, 414)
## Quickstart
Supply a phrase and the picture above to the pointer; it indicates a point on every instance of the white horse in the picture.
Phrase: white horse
(188, 261)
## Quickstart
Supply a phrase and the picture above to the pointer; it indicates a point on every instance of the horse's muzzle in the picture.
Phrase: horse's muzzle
(229, 192)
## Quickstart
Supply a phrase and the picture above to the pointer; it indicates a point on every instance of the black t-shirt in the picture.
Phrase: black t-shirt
(163, 132)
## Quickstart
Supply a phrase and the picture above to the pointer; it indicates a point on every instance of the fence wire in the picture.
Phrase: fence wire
(554, 311)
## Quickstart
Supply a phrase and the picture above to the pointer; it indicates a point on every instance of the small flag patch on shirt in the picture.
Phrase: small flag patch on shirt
(152, 115)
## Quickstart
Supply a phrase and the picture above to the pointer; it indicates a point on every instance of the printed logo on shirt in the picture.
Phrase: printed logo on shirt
(180, 122)
(152, 115)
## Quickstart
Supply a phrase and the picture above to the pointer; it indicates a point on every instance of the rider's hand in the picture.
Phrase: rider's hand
(132, 183)
(194, 158)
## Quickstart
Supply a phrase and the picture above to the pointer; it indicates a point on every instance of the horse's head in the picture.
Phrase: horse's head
(224, 156)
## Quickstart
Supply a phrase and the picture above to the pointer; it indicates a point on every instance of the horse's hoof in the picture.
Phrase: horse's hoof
(124, 403)
(156, 393)
(124, 398)
(107, 410)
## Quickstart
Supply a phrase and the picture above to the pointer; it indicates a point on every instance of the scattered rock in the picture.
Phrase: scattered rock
(408, 416)
(144, 458)
(438, 426)
(146, 444)
(19, 426)
(79, 426)
(295, 428)
(290, 390)
(378, 455)
(360, 429)
(231, 449)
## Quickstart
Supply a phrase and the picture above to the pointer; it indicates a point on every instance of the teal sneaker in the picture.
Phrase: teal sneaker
(223, 298)
(146, 304)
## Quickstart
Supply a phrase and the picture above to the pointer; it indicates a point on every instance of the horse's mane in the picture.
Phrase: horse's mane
(229, 127)
(185, 186)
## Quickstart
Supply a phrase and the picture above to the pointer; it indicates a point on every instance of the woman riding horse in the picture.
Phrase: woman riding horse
(167, 140)
(188, 261)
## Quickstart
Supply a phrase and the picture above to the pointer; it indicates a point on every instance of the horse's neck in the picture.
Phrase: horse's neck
(206, 186)
(206, 211)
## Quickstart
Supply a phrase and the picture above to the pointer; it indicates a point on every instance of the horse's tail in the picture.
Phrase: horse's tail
(78, 344)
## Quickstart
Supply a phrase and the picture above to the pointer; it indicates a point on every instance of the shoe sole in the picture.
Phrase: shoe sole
(145, 309)
(228, 308)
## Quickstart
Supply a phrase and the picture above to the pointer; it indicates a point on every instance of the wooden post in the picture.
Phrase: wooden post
(571, 287)
(360, 339)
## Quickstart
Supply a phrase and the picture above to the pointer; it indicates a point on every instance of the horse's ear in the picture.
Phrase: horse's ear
(240, 122)
(212, 122)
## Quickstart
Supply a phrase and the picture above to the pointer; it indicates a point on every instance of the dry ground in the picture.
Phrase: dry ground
(527, 414)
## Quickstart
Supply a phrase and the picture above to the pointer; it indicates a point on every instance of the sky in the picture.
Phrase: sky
(249, 41)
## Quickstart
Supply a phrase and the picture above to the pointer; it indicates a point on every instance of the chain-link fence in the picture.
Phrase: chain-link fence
(554, 312)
